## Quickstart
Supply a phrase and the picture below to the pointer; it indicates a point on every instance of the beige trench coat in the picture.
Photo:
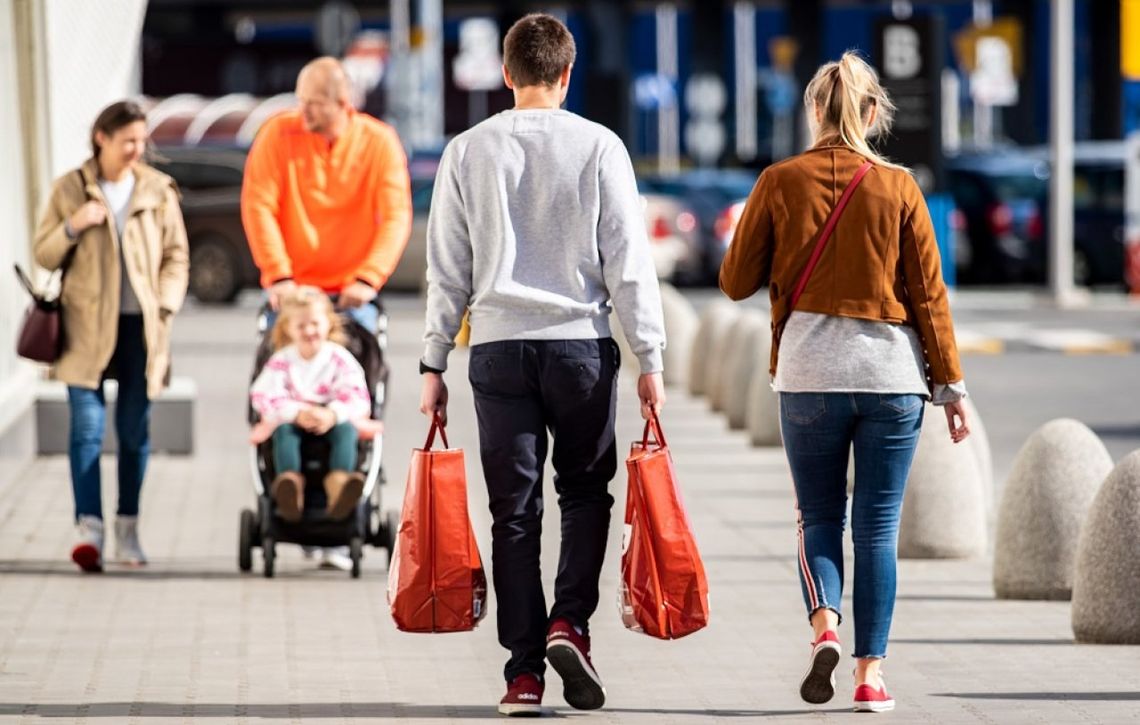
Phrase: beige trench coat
(157, 267)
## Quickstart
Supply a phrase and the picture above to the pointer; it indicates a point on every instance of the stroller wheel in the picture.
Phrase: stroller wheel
(246, 534)
(268, 548)
(356, 551)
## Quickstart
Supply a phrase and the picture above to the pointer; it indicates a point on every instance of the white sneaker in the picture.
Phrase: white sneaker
(128, 550)
(336, 557)
(88, 552)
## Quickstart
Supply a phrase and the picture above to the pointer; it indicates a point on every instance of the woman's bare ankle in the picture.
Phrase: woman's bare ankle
(824, 620)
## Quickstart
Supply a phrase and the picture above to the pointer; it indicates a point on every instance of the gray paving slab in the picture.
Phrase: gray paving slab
(191, 640)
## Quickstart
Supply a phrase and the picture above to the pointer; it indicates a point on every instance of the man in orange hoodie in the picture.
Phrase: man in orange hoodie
(326, 199)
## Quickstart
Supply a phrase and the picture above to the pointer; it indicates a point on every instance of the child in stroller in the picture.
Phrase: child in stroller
(316, 414)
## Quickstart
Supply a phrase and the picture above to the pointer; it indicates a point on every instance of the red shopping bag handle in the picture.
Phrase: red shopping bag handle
(436, 424)
(654, 425)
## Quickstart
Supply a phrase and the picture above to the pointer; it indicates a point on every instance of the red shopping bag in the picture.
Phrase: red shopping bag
(436, 581)
(663, 592)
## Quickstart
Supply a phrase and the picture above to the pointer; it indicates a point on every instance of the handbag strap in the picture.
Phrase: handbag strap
(71, 252)
(436, 424)
(828, 228)
(653, 425)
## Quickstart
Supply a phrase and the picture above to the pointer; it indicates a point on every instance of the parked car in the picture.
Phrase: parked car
(716, 198)
(1003, 201)
(210, 182)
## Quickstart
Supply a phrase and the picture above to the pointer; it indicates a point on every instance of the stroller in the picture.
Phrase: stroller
(265, 529)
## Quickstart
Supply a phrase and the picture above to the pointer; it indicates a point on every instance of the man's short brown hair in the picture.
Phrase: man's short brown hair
(537, 49)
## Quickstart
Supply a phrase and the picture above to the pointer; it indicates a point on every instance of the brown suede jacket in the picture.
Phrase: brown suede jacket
(881, 263)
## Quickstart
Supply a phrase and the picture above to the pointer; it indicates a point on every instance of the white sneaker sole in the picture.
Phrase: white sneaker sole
(581, 687)
(818, 683)
(520, 710)
(884, 706)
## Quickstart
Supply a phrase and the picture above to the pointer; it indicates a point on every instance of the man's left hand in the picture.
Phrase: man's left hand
(355, 295)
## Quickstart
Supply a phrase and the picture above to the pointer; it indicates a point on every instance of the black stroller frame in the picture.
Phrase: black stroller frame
(264, 529)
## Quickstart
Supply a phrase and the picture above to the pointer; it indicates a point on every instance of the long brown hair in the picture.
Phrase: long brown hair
(840, 100)
(112, 118)
(304, 298)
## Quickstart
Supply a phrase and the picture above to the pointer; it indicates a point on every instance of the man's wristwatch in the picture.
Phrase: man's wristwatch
(428, 369)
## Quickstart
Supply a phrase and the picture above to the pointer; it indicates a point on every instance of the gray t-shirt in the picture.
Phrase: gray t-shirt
(832, 354)
(118, 197)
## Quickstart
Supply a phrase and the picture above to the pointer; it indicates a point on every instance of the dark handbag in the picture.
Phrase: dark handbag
(781, 319)
(41, 334)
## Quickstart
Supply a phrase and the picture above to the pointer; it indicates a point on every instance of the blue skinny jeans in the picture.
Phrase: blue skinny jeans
(819, 431)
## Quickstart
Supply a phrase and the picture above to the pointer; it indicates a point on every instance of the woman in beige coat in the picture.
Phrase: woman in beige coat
(115, 226)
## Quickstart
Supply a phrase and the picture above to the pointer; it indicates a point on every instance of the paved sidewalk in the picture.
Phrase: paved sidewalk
(191, 640)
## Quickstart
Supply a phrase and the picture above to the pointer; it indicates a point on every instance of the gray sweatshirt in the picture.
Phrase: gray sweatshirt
(537, 229)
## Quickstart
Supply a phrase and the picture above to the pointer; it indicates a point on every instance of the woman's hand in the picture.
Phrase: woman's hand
(960, 430)
(91, 214)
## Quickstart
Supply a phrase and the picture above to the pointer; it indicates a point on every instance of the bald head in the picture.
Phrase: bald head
(323, 77)
(323, 94)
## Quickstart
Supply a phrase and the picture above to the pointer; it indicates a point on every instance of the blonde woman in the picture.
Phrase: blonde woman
(115, 225)
(863, 337)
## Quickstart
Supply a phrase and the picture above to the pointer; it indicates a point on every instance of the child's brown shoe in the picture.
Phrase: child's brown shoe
(343, 490)
(288, 492)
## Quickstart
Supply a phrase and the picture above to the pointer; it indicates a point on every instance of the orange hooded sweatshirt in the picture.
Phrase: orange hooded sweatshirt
(326, 215)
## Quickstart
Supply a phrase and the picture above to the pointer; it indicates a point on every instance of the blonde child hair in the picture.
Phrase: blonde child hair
(840, 99)
(306, 298)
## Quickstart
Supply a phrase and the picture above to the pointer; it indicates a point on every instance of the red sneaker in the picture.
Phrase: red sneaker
(818, 684)
(569, 654)
(524, 697)
(869, 699)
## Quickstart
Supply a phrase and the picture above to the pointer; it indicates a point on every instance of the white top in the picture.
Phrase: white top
(832, 354)
(332, 378)
(118, 197)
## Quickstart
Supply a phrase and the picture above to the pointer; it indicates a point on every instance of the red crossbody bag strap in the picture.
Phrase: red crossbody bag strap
(828, 228)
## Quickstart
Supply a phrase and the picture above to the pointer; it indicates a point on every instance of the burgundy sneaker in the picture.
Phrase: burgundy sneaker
(569, 654)
(869, 699)
(818, 684)
(524, 697)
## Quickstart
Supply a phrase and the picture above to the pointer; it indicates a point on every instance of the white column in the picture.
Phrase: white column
(668, 118)
(1061, 152)
(744, 35)
(983, 113)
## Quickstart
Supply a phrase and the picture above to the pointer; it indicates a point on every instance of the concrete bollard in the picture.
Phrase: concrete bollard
(763, 415)
(714, 322)
(725, 350)
(745, 360)
(944, 510)
(980, 444)
(1106, 597)
(680, 329)
(1053, 482)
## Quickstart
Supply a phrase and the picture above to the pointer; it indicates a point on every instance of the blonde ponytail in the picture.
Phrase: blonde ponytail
(840, 100)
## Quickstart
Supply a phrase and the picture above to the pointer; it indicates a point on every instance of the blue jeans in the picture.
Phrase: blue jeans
(287, 439)
(819, 429)
(132, 426)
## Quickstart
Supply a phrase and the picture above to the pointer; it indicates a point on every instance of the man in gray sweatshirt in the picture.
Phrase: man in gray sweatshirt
(537, 230)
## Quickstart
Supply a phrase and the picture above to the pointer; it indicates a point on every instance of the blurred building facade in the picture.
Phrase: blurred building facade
(60, 63)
